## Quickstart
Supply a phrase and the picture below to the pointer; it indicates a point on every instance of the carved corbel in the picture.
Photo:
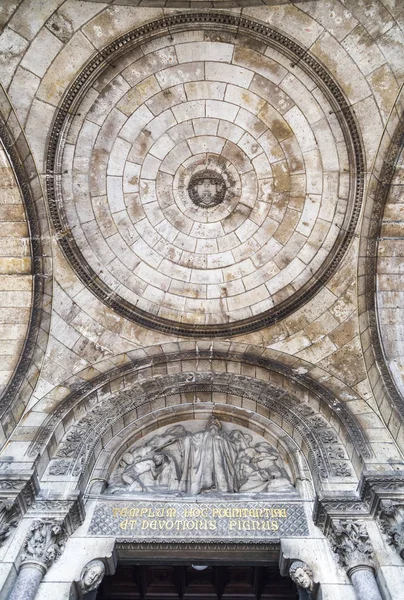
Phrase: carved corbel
(391, 521)
(302, 575)
(91, 578)
(9, 517)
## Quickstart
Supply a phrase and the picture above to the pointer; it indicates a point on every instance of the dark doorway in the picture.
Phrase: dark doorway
(184, 582)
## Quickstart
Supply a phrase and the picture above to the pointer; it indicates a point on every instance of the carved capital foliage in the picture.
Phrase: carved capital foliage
(45, 542)
(391, 521)
(351, 543)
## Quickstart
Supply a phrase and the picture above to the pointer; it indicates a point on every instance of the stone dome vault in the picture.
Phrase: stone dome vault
(223, 191)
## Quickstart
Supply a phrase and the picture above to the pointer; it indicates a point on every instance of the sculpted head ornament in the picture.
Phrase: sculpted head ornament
(92, 575)
(302, 575)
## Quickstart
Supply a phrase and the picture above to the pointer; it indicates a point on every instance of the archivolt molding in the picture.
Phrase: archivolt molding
(380, 376)
(237, 25)
(19, 389)
(157, 365)
(323, 447)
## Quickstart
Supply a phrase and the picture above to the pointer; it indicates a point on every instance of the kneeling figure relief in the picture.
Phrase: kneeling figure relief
(211, 460)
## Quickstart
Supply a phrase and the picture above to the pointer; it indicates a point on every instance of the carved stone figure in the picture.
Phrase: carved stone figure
(91, 576)
(302, 575)
(350, 541)
(212, 460)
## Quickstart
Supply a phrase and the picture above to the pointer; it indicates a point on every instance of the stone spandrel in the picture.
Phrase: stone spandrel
(241, 521)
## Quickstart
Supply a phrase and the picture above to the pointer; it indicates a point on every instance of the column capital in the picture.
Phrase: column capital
(351, 543)
(44, 543)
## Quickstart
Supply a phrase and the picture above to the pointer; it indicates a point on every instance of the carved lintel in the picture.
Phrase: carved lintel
(351, 543)
(391, 521)
(44, 543)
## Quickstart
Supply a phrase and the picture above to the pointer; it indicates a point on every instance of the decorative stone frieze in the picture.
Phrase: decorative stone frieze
(88, 391)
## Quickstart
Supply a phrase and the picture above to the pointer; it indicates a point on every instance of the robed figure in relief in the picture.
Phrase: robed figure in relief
(209, 461)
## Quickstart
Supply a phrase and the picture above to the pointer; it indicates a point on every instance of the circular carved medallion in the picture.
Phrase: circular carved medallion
(207, 188)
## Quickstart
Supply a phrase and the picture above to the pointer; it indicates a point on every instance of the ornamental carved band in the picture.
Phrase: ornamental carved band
(350, 542)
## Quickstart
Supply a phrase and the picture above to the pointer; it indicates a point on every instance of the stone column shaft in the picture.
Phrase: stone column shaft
(28, 580)
(364, 582)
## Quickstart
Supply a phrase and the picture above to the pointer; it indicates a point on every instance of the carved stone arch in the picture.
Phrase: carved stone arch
(327, 449)
(16, 395)
(204, 358)
(387, 387)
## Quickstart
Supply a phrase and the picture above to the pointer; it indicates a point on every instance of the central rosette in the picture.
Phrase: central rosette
(207, 188)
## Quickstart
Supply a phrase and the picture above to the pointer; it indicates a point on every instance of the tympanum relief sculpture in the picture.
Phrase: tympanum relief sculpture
(215, 460)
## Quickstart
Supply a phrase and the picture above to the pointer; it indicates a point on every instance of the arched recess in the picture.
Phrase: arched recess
(26, 268)
(326, 433)
(380, 267)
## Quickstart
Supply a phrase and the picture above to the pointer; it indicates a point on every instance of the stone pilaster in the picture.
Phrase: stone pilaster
(350, 541)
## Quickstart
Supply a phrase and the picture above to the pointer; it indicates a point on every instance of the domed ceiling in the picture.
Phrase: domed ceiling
(199, 180)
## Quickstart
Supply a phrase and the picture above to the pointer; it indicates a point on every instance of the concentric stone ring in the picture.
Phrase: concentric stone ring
(209, 188)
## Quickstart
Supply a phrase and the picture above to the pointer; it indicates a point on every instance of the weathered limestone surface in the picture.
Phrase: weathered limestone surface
(204, 177)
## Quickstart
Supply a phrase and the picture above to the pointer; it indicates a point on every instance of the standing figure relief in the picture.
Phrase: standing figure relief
(212, 460)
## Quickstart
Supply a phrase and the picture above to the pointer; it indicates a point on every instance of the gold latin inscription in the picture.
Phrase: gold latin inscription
(198, 518)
